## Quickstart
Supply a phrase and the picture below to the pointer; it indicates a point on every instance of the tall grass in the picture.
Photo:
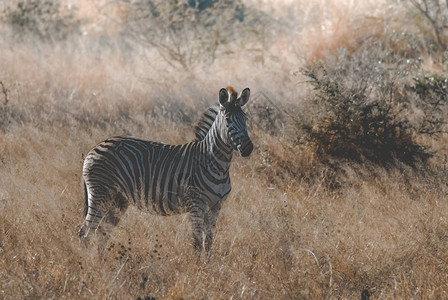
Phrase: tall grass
(296, 224)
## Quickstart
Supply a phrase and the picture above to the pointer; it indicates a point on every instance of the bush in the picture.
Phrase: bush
(364, 108)
(44, 19)
(186, 33)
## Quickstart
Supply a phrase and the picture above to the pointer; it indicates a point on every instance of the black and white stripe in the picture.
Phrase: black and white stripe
(168, 179)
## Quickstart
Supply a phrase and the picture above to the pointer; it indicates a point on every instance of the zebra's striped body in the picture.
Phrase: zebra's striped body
(168, 179)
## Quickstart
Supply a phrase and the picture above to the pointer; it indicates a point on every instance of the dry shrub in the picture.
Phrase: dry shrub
(44, 19)
(413, 29)
(191, 33)
(365, 106)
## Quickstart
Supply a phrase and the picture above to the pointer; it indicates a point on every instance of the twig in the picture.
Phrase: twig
(432, 19)
(331, 271)
(305, 81)
(312, 253)
(63, 191)
(4, 91)
(118, 273)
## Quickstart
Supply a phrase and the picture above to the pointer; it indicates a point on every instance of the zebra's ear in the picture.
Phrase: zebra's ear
(224, 97)
(244, 97)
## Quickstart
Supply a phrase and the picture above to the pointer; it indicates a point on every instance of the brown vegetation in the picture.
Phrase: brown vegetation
(302, 221)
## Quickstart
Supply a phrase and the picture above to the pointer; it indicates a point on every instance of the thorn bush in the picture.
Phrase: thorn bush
(365, 108)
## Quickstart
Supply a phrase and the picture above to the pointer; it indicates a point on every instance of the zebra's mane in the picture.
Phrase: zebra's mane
(205, 122)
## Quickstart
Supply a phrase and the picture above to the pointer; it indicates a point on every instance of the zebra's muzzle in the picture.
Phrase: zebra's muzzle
(246, 147)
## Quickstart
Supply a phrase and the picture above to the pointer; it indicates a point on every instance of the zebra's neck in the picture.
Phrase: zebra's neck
(218, 152)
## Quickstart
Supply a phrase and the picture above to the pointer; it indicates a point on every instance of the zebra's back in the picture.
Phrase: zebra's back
(153, 176)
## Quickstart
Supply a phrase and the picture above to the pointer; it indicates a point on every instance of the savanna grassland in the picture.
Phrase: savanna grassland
(345, 193)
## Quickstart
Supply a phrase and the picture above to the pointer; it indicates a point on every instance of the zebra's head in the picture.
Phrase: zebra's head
(235, 132)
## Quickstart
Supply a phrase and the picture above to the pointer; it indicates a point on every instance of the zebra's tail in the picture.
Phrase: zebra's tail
(86, 200)
(83, 231)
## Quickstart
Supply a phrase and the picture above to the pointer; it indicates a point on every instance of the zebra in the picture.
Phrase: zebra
(167, 179)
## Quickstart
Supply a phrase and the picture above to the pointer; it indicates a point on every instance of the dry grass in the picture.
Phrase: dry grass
(283, 232)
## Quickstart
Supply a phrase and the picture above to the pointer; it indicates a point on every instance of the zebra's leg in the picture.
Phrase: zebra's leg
(210, 222)
(197, 215)
(109, 221)
(94, 216)
(103, 213)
